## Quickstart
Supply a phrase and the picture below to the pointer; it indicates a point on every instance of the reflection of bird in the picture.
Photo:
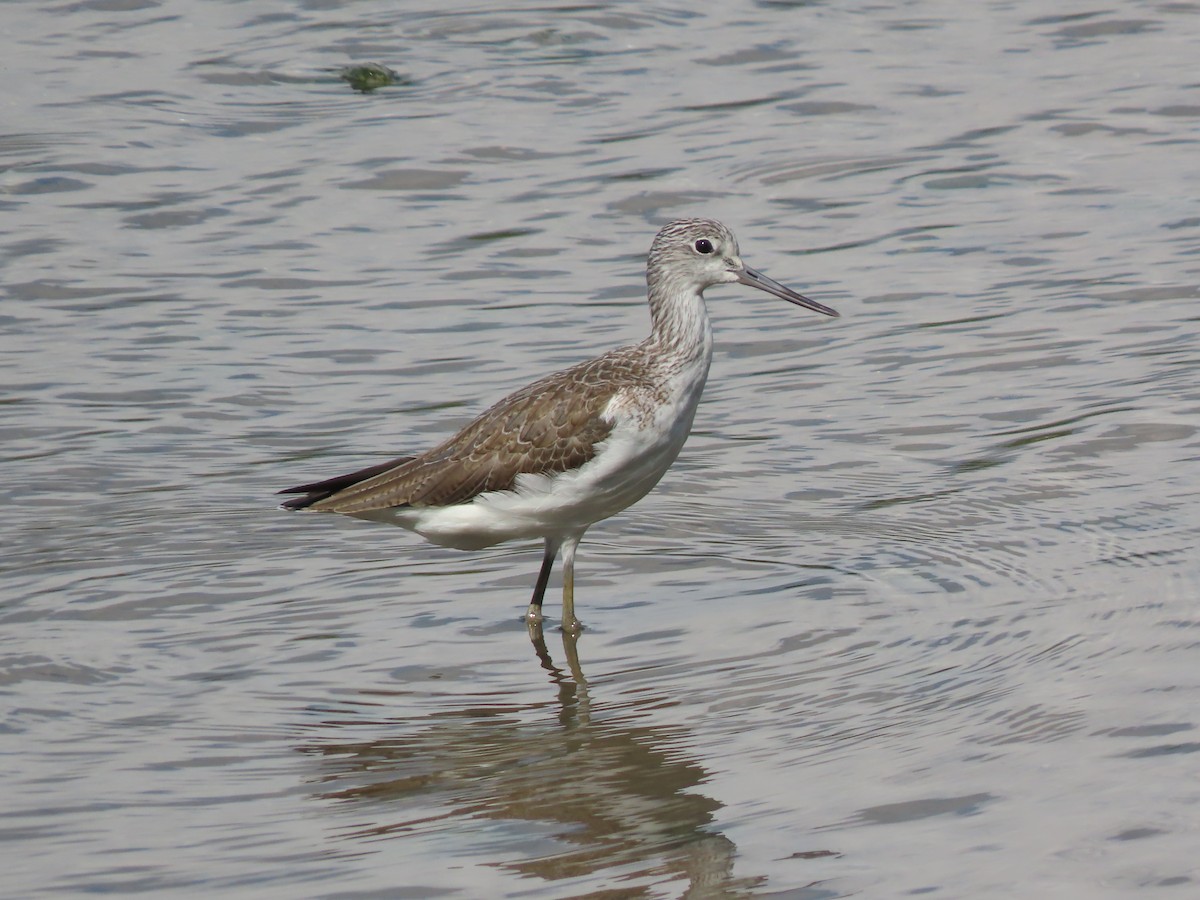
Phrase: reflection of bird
(574, 447)
(540, 800)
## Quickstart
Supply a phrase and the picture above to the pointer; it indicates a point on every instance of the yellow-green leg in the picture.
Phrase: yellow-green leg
(571, 624)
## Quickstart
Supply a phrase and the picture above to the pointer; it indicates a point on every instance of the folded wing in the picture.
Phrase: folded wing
(548, 427)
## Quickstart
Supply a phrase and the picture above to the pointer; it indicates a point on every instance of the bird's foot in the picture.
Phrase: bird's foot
(534, 615)
(535, 635)
(572, 626)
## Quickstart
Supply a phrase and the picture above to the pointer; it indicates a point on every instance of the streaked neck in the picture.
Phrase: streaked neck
(680, 319)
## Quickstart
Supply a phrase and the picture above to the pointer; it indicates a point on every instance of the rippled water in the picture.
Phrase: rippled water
(914, 613)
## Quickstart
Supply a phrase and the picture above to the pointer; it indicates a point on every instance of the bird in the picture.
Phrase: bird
(575, 447)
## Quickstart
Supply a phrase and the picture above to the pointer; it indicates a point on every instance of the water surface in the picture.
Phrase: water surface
(915, 611)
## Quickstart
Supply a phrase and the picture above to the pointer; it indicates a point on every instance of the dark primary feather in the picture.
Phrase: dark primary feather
(548, 427)
(320, 490)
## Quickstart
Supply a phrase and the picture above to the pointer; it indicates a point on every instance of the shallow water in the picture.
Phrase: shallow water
(915, 611)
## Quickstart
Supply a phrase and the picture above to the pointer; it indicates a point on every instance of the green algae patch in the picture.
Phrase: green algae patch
(369, 77)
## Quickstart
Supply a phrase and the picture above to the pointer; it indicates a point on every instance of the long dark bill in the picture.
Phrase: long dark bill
(757, 279)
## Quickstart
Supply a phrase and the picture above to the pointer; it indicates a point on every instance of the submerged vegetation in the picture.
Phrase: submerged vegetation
(369, 76)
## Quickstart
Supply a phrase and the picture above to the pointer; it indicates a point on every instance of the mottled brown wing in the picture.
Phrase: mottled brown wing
(548, 427)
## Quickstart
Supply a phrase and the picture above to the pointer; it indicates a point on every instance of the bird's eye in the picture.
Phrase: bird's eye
(704, 245)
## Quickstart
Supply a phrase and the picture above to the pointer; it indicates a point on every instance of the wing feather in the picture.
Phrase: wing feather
(548, 427)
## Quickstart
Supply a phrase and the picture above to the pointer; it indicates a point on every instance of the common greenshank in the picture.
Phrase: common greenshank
(575, 447)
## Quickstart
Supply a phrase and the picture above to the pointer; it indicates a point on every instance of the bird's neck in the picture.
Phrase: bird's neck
(680, 322)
